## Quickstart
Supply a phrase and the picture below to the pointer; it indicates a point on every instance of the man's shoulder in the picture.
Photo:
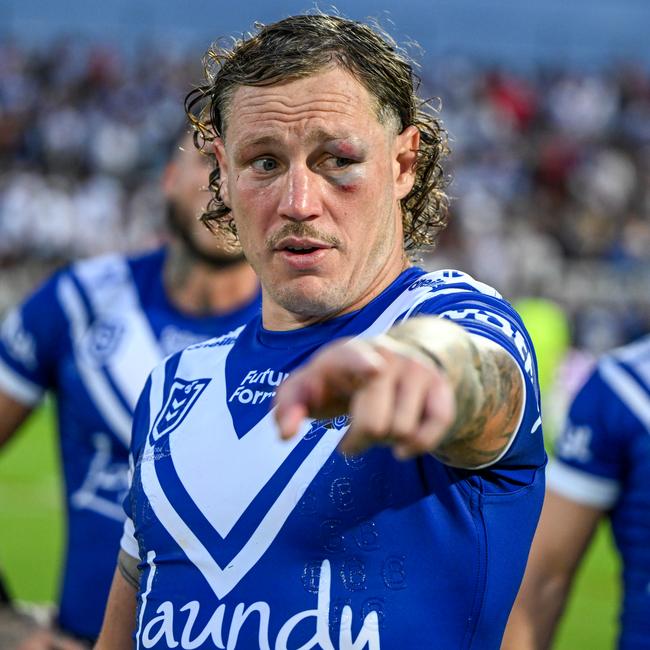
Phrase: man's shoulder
(108, 283)
(622, 377)
(201, 357)
(184, 373)
(98, 273)
(225, 341)
(432, 292)
(451, 280)
(459, 297)
(114, 267)
(634, 357)
(612, 408)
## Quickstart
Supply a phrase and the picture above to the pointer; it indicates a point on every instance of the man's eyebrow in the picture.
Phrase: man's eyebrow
(322, 135)
(317, 136)
(260, 140)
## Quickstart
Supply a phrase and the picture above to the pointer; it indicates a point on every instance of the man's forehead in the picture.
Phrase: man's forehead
(332, 98)
(310, 136)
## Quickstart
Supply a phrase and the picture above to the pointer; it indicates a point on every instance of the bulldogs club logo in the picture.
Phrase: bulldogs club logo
(102, 341)
(182, 397)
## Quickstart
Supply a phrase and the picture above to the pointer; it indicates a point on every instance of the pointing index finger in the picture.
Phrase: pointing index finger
(324, 386)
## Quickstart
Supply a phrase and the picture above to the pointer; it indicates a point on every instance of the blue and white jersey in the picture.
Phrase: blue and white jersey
(603, 461)
(92, 334)
(246, 541)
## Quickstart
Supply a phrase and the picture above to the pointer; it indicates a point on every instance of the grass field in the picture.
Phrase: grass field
(31, 539)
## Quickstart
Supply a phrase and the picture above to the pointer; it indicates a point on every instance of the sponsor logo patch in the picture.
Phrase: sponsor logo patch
(258, 386)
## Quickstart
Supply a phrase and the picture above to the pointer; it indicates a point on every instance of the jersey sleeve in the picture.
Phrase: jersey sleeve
(489, 316)
(32, 340)
(589, 462)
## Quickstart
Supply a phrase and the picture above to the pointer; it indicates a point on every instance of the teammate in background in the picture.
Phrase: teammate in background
(251, 531)
(91, 334)
(601, 469)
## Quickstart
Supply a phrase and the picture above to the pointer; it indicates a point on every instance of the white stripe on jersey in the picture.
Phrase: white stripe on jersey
(627, 389)
(582, 487)
(151, 556)
(110, 289)
(227, 473)
(19, 388)
(128, 542)
(637, 356)
(99, 388)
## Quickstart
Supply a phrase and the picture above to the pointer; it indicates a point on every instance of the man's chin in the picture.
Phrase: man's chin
(308, 297)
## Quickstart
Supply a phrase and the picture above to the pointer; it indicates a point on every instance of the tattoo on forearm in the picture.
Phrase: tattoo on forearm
(489, 394)
(488, 388)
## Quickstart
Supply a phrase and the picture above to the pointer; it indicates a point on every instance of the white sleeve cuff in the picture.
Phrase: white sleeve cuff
(582, 487)
(128, 542)
(19, 388)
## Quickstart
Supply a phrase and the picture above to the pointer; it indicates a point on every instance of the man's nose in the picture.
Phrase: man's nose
(301, 194)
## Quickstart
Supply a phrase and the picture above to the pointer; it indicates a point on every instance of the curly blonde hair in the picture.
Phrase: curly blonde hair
(302, 45)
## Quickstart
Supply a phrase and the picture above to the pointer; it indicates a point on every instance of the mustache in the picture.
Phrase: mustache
(301, 229)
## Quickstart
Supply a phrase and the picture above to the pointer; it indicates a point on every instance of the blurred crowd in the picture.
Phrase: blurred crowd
(550, 173)
(84, 133)
(552, 199)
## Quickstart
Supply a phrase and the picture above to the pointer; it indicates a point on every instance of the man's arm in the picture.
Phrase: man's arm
(12, 415)
(427, 386)
(563, 535)
(119, 619)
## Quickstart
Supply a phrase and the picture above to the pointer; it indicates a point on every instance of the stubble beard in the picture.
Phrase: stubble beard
(325, 298)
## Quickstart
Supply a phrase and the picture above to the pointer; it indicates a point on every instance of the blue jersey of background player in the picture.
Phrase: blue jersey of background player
(91, 334)
(601, 469)
(249, 529)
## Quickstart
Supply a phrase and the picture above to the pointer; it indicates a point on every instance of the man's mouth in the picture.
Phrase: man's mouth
(301, 245)
(302, 252)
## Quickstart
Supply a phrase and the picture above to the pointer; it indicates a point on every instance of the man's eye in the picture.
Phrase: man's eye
(264, 165)
(338, 162)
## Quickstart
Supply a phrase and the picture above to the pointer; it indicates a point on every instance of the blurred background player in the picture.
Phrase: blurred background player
(601, 469)
(91, 334)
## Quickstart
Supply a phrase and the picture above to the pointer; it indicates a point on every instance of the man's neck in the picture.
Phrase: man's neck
(275, 317)
(198, 289)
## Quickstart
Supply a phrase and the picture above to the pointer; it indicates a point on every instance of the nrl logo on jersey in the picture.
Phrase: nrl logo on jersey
(182, 397)
(102, 340)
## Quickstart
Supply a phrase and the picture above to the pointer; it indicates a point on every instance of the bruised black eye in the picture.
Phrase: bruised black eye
(337, 162)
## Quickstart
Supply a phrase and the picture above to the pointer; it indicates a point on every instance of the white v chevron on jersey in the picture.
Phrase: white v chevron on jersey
(239, 468)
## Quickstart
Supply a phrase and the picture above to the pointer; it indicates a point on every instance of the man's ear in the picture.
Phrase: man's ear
(222, 161)
(407, 144)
